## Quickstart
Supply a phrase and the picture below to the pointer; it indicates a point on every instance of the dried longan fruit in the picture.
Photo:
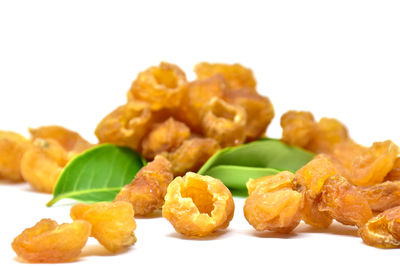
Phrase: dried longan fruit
(344, 202)
(374, 164)
(164, 137)
(49, 242)
(71, 141)
(12, 148)
(236, 76)
(383, 230)
(196, 96)
(161, 86)
(112, 223)
(382, 196)
(259, 111)
(146, 192)
(224, 122)
(126, 125)
(198, 205)
(314, 174)
(298, 127)
(192, 154)
(273, 203)
(345, 153)
(394, 174)
(42, 164)
(312, 215)
(328, 133)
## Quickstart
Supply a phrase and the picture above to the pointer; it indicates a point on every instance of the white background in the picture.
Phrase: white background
(71, 62)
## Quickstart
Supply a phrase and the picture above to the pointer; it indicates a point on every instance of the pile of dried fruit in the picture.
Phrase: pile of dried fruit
(178, 125)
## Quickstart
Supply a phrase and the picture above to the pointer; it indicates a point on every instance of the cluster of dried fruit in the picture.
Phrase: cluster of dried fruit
(112, 224)
(346, 181)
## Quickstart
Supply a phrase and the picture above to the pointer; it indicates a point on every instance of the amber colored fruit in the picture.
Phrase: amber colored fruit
(273, 203)
(374, 164)
(394, 174)
(382, 196)
(164, 137)
(344, 202)
(314, 174)
(196, 96)
(161, 86)
(259, 111)
(112, 223)
(236, 76)
(146, 192)
(224, 122)
(49, 242)
(383, 230)
(345, 153)
(126, 125)
(12, 148)
(42, 164)
(71, 141)
(192, 154)
(328, 133)
(298, 127)
(312, 215)
(198, 205)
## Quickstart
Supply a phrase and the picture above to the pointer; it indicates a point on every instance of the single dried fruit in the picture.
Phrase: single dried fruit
(236, 76)
(312, 215)
(146, 192)
(344, 202)
(298, 128)
(12, 148)
(164, 137)
(344, 154)
(198, 205)
(259, 111)
(49, 242)
(374, 164)
(161, 86)
(192, 154)
(126, 125)
(224, 122)
(112, 223)
(42, 164)
(382, 196)
(394, 174)
(273, 203)
(383, 231)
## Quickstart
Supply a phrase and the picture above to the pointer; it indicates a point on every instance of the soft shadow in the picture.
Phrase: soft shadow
(98, 250)
(9, 182)
(336, 229)
(212, 236)
(269, 234)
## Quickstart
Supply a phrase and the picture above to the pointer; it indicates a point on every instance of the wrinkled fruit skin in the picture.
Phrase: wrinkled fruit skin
(198, 205)
(48, 242)
(382, 196)
(112, 223)
(273, 203)
(12, 148)
(311, 213)
(298, 127)
(147, 190)
(344, 202)
(394, 174)
(383, 230)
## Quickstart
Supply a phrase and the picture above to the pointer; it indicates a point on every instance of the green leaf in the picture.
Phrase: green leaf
(236, 165)
(98, 174)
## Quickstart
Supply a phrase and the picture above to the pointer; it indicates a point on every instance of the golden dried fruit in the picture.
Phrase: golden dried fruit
(49, 242)
(236, 76)
(382, 196)
(161, 86)
(164, 137)
(192, 154)
(126, 125)
(198, 205)
(374, 164)
(273, 203)
(146, 192)
(12, 148)
(394, 174)
(298, 128)
(344, 202)
(112, 223)
(42, 164)
(259, 111)
(383, 230)
(224, 122)
(312, 215)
